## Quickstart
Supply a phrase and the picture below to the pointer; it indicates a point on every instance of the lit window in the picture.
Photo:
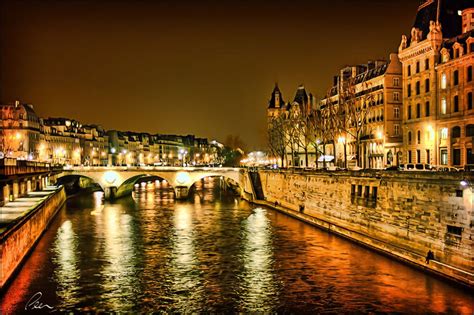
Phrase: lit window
(396, 96)
(444, 81)
(443, 106)
(444, 133)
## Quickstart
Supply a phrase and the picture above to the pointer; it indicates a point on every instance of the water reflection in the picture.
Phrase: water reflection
(184, 266)
(212, 253)
(66, 273)
(258, 289)
(118, 274)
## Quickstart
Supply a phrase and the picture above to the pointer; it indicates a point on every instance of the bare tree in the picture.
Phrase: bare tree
(354, 113)
(277, 137)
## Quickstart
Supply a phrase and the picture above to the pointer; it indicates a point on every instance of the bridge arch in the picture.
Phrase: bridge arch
(64, 180)
(203, 176)
(127, 185)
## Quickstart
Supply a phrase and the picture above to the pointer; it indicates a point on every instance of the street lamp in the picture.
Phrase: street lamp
(342, 140)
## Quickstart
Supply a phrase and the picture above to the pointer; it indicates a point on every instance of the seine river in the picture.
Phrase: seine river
(212, 253)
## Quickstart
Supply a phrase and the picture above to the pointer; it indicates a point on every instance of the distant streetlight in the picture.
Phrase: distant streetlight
(342, 140)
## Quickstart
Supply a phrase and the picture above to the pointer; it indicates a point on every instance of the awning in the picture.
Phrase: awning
(326, 158)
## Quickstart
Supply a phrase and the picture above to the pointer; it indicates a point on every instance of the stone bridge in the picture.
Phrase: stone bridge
(118, 181)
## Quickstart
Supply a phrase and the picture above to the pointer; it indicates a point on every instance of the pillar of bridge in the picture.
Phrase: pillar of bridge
(110, 192)
(39, 184)
(15, 190)
(181, 192)
(6, 193)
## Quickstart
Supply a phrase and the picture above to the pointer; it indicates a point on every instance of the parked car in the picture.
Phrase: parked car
(448, 169)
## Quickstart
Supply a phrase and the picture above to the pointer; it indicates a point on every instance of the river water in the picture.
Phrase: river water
(214, 253)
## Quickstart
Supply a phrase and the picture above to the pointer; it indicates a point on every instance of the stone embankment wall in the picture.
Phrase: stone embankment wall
(405, 214)
(17, 241)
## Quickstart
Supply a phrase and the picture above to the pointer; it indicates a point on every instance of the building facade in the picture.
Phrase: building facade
(371, 95)
(437, 59)
(20, 131)
(65, 141)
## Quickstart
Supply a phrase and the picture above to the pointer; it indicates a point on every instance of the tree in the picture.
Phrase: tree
(276, 137)
(354, 112)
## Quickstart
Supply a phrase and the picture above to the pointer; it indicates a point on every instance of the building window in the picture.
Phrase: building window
(418, 137)
(409, 90)
(469, 74)
(455, 230)
(417, 67)
(469, 156)
(444, 81)
(456, 132)
(444, 157)
(396, 81)
(396, 97)
(396, 112)
(427, 64)
(428, 156)
(409, 111)
(456, 156)
(443, 105)
(417, 88)
(469, 100)
(470, 131)
(418, 156)
(409, 70)
(456, 104)
(444, 133)
(427, 109)
(409, 137)
(427, 85)
(418, 110)
(456, 53)
(456, 77)
(397, 129)
(409, 156)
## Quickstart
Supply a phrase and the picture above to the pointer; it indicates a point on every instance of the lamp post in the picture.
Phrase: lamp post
(342, 140)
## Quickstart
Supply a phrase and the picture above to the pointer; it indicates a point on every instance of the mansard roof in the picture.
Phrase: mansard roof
(271, 103)
(370, 74)
(461, 39)
(451, 21)
(301, 97)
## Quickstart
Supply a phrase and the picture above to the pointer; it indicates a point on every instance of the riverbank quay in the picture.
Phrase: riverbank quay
(403, 214)
(22, 222)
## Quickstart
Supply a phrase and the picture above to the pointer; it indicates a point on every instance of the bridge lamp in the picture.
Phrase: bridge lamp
(464, 183)
(182, 178)
(110, 177)
(112, 150)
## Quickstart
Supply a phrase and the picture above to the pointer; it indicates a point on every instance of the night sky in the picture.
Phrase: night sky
(185, 67)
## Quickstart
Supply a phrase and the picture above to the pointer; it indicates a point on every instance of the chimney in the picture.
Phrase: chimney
(370, 65)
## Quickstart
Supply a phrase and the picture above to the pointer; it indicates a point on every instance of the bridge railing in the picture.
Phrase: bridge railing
(149, 168)
(10, 166)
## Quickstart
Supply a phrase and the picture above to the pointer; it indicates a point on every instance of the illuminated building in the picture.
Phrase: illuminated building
(296, 152)
(132, 148)
(20, 131)
(437, 61)
(376, 88)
